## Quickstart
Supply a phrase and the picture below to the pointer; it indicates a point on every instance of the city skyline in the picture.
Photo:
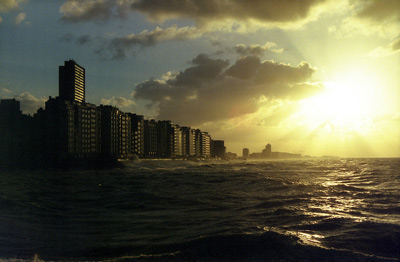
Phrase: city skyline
(316, 78)
(71, 132)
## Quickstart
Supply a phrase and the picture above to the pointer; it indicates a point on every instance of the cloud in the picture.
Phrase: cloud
(93, 10)
(390, 49)
(373, 16)
(9, 5)
(5, 90)
(118, 46)
(119, 102)
(256, 50)
(29, 103)
(212, 89)
(380, 11)
(209, 16)
(79, 40)
(20, 18)
(249, 50)
(264, 11)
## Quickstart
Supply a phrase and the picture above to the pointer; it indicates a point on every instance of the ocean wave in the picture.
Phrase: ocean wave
(268, 246)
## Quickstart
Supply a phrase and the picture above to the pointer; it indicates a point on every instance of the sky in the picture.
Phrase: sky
(307, 76)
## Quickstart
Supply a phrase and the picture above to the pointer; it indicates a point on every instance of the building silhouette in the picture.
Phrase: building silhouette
(137, 134)
(188, 141)
(218, 148)
(16, 136)
(115, 132)
(267, 152)
(69, 131)
(246, 152)
(72, 82)
(166, 134)
(150, 138)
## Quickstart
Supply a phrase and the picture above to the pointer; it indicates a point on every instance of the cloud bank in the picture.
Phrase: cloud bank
(209, 16)
(212, 89)
(265, 11)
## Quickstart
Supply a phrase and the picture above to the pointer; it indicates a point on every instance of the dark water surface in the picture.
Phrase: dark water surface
(292, 210)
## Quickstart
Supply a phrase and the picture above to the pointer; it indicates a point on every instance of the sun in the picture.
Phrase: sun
(346, 102)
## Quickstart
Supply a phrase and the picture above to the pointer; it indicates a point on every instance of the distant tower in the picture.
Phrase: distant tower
(268, 148)
(266, 153)
(72, 82)
(246, 152)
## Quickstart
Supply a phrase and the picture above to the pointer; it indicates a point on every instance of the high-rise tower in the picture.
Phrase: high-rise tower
(72, 82)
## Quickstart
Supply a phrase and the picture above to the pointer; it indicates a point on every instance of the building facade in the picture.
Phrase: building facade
(218, 148)
(166, 135)
(205, 145)
(69, 129)
(137, 134)
(188, 142)
(150, 138)
(115, 132)
(178, 149)
(72, 82)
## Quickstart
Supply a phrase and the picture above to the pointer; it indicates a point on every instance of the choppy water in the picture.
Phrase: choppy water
(292, 210)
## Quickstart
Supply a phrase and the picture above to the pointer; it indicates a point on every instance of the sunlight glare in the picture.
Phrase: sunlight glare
(346, 102)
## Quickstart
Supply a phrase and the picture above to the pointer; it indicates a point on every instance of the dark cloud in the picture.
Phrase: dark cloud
(89, 10)
(211, 10)
(118, 46)
(380, 11)
(256, 50)
(212, 90)
(395, 45)
(265, 11)
(79, 40)
(375, 16)
(84, 39)
(250, 50)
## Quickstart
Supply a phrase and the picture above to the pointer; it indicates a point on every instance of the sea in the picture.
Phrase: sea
(310, 209)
